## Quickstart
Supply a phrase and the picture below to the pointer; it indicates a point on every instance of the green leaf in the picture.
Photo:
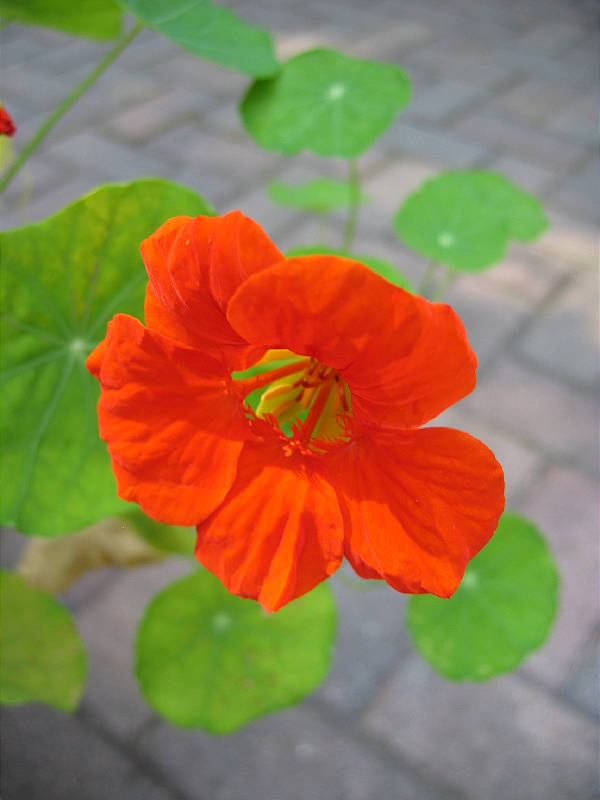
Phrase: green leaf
(208, 659)
(96, 19)
(62, 280)
(170, 538)
(378, 265)
(317, 196)
(465, 219)
(211, 32)
(325, 102)
(500, 613)
(43, 658)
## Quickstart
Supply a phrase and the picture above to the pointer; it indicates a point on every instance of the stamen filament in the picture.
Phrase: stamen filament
(314, 414)
(248, 385)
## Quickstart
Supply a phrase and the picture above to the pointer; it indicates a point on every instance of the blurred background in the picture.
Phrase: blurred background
(510, 86)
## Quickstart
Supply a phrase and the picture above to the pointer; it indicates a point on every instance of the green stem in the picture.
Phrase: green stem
(428, 278)
(444, 285)
(66, 104)
(351, 219)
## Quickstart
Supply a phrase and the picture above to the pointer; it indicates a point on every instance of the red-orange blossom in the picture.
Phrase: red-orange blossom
(358, 366)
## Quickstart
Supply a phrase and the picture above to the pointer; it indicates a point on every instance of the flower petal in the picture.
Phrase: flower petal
(194, 265)
(404, 359)
(417, 505)
(172, 429)
(279, 531)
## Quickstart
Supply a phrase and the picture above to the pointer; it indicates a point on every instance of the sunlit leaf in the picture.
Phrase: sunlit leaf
(62, 280)
(211, 660)
(501, 612)
(43, 659)
(466, 219)
(325, 102)
(378, 265)
(209, 31)
(317, 196)
(170, 538)
(96, 19)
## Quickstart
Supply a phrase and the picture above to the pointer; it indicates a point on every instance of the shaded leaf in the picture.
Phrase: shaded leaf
(500, 613)
(325, 102)
(318, 196)
(167, 538)
(208, 659)
(209, 31)
(378, 265)
(62, 280)
(465, 219)
(96, 19)
(43, 659)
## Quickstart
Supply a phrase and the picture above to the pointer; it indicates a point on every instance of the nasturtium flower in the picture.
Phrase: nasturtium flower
(276, 404)
(7, 126)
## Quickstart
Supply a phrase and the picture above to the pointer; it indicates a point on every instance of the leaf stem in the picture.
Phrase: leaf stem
(428, 278)
(66, 104)
(445, 283)
(351, 219)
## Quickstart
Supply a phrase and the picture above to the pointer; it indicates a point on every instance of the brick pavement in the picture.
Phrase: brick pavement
(507, 85)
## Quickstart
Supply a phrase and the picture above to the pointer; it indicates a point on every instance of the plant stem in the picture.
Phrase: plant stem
(66, 104)
(428, 278)
(354, 185)
(444, 285)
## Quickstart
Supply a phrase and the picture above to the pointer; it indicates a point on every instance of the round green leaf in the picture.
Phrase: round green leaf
(317, 196)
(325, 102)
(211, 32)
(170, 538)
(62, 280)
(378, 265)
(465, 219)
(96, 19)
(43, 658)
(500, 613)
(208, 659)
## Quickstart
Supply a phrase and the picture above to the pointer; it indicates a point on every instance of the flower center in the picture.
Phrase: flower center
(305, 398)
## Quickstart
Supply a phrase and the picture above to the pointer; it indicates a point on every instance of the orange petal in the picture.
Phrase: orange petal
(279, 531)
(173, 431)
(417, 505)
(193, 267)
(404, 359)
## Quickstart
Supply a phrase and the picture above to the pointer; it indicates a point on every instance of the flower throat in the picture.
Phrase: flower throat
(305, 398)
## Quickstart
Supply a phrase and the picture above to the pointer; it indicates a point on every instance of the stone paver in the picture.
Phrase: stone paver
(501, 85)
(497, 740)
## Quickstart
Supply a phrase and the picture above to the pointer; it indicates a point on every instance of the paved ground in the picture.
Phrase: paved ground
(498, 83)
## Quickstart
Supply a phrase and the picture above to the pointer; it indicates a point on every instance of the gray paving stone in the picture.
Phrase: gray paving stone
(564, 339)
(532, 746)
(371, 640)
(579, 121)
(48, 755)
(522, 276)
(527, 176)
(495, 131)
(438, 147)
(11, 547)
(291, 756)
(488, 317)
(568, 243)
(108, 629)
(544, 412)
(564, 507)
(582, 686)
(397, 38)
(579, 194)
(533, 101)
(140, 123)
(107, 159)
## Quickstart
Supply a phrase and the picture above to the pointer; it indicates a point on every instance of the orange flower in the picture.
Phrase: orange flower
(331, 462)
